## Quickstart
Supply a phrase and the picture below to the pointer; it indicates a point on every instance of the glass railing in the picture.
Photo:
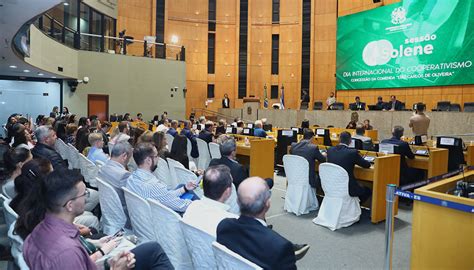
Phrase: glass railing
(106, 42)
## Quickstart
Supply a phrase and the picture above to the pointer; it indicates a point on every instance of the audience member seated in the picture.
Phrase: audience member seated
(206, 213)
(179, 150)
(82, 138)
(114, 171)
(357, 105)
(123, 135)
(249, 235)
(305, 124)
(96, 152)
(407, 174)
(186, 131)
(309, 151)
(104, 130)
(207, 134)
(354, 119)
(258, 129)
(139, 117)
(45, 147)
(228, 149)
(330, 101)
(163, 127)
(347, 158)
(394, 104)
(146, 137)
(419, 122)
(367, 125)
(145, 184)
(71, 131)
(136, 133)
(21, 137)
(360, 135)
(161, 145)
(55, 242)
(13, 161)
(173, 128)
(240, 127)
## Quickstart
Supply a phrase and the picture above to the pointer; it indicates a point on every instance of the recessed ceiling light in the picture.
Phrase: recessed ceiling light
(66, 4)
(26, 70)
(40, 74)
(53, 77)
(12, 66)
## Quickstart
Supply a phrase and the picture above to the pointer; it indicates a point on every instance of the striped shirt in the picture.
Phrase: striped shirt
(147, 186)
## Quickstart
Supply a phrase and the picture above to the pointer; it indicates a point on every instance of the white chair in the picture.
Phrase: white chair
(113, 216)
(10, 215)
(88, 169)
(8, 189)
(163, 174)
(338, 209)
(169, 140)
(172, 164)
(73, 157)
(226, 259)
(200, 247)
(204, 155)
(99, 163)
(61, 148)
(169, 234)
(17, 248)
(189, 149)
(110, 146)
(214, 149)
(300, 198)
(140, 217)
(184, 175)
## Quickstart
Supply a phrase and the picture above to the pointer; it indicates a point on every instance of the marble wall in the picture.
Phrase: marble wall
(442, 123)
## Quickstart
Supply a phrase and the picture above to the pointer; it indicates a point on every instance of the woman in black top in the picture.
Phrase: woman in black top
(179, 150)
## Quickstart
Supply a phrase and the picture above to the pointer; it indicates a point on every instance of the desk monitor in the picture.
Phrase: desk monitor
(248, 131)
(420, 140)
(198, 127)
(373, 108)
(250, 125)
(356, 143)
(388, 148)
(267, 127)
(323, 132)
(297, 129)
(454, 146)
(231, 130)
(195, 126)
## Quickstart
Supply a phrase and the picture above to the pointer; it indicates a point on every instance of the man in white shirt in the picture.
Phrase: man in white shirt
(145, 184)
(206, 213)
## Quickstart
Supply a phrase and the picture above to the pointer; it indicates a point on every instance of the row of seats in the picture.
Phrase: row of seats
(338, 208)
(441, 106)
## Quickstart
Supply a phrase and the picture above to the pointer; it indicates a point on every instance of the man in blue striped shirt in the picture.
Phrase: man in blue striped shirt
(145, 184)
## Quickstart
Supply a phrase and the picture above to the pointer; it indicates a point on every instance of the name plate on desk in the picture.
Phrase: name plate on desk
(447, 141)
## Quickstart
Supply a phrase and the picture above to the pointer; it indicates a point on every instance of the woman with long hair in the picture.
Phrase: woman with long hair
(21, 137)
(179, 150)
(13, 161)
(160, 143)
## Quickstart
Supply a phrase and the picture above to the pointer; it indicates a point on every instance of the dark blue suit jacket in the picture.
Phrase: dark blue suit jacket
(205, 135)
(347, 158)
(311, 153)
(238, 172)
(172, 132)
(247, 237)
(406, 174)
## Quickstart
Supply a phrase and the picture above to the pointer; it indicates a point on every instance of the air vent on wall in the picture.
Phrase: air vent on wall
(60, 69)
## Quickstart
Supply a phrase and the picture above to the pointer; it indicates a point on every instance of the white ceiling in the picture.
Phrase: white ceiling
(13, 15)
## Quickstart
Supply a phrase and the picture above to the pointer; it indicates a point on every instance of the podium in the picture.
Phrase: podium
(251, 106)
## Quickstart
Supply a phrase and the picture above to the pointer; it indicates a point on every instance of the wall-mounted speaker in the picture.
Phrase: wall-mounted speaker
(73, 85)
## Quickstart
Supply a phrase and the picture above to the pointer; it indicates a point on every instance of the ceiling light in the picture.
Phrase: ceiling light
(12, 66)
(40, 74)
(53, 77)
(66, 4)
(26, 70)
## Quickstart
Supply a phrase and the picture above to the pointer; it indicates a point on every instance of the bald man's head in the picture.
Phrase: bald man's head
(253, 197)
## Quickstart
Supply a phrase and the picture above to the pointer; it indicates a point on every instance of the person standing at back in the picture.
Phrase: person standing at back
(419, 122)
(347, 158)
(226, 101)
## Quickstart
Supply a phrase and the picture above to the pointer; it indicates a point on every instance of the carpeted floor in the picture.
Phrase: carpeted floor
(360, 246)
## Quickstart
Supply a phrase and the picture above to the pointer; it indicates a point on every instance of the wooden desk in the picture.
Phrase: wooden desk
(384, 171)
(469, 155)
(373, 134)
(435, 164)
(442, 238)
(259, 155)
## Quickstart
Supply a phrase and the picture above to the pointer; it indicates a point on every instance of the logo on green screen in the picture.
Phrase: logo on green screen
(408, 44)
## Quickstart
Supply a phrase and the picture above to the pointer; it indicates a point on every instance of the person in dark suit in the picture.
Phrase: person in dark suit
(357, 105)
(380, 105)
(407, 174)
(45, 147)
(225, 101)
(206, 134)
(394, 104)
(186, 131)
(249, 235)
(347, 158)
(172, 130)
(228, 150)
(309, 151)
